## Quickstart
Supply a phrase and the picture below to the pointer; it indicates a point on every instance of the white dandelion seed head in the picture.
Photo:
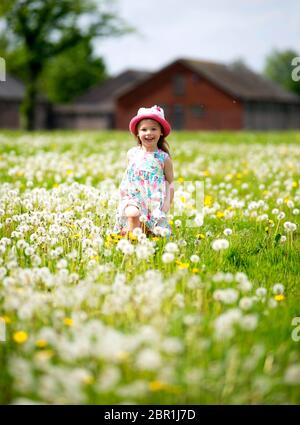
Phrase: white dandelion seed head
(143, 218)
(195, 258)
(165, 232)
(199, 219)
(227, 296)
(281, 215)
(144, 251)
(246, 303)
(137, 231)
(148, 359)
(171, 247)
(292, 375)
(224, 324)
(261, 292)
(158, 230)
(289, 227)
(227, 232)
(167, 257)
(278, 288)
(248, 322)
(142, 238)
(219, 244)
(128, 249)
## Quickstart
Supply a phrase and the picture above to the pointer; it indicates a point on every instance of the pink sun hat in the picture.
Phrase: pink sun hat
(154, 113)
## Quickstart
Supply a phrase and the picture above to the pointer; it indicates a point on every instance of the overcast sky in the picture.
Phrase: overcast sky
(216, 30)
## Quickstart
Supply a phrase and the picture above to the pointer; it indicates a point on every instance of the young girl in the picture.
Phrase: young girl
(147, 187)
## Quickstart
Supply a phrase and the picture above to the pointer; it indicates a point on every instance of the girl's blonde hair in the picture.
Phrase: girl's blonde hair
(161, 144)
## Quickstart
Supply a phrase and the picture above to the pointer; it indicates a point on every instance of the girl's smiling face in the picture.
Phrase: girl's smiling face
(149, 132)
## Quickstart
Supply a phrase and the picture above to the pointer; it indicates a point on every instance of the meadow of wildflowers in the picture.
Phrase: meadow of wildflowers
(209, 315)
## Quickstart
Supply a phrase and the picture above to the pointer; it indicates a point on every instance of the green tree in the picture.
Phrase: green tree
(71, 73)
(279, 68)
(37, 31)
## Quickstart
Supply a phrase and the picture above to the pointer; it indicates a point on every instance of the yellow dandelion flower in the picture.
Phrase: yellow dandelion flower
(68, 321)
(208, 200)
(220, 214)
(20, 337)
(162, 386)
(171, 222)
(69, 172)
(279, 297)
(180, 179)
(205, 173)
(41, 343)
(294, 184)
(182, 199)
(200, 236)
(157, 386)
(183, 266)
(132, 237)
(113, 239)
(195, 270)
(55, 185)
(94, 257)
(5, 319)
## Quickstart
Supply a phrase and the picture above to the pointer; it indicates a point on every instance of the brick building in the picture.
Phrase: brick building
(199, 95)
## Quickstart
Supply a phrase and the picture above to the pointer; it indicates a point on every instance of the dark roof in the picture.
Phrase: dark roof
(11, 89)
(238, 81)
(241, 82)
(111, 88)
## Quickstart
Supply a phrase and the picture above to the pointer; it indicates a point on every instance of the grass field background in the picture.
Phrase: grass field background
(89, 317)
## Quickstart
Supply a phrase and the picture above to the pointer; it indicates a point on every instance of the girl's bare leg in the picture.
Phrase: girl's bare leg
(132, 214)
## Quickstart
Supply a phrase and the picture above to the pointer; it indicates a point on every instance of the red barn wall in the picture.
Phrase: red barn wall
(220, 111)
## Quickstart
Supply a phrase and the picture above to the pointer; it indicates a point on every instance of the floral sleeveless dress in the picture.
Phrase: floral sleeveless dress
(144, 186)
